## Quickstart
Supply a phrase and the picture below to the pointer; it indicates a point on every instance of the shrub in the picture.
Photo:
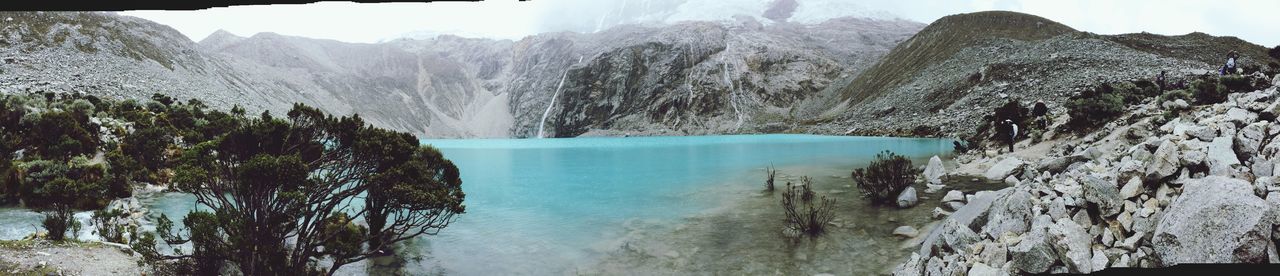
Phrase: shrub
(806, 188)
(768, 183)
(1274, 52)
(803, 215)
(57, 222)
(109, 226)
(885, 177)
(1208, 91)
(1177, 94)
(1091, 109)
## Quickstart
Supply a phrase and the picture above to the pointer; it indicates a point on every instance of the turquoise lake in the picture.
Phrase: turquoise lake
(546, 206)
(536, 206)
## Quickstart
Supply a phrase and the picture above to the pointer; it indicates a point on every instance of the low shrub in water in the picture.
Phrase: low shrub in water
(808, 217)
(885, 177)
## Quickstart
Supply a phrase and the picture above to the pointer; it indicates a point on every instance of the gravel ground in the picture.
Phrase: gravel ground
(68, 259)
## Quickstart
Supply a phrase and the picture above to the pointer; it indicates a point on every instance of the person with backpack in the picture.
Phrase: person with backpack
(1161, 81)
(1230, 67)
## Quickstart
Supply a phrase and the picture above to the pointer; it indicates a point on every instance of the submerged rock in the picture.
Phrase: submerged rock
(906, 231)
(1215, 220)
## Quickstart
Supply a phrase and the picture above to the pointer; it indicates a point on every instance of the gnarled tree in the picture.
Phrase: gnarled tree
(283, 193)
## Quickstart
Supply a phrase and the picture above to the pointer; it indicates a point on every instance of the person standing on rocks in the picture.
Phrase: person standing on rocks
(1230, 67)
(1013, 133)
(1161, 81)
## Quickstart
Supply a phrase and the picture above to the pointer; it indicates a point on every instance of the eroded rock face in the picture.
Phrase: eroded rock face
(1215, 220)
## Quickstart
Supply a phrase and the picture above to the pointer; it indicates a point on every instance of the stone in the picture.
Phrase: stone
(1215, 220)
(1240, 116)
(994, 253)
(1011, 180)
(1057, 209)
(953, 195)
(1004, 168)
(1033, 253)
(1248, 140)
(1221, 157)
(933, 266)
(912, 267)
(954, 205)
(1107, 237)
(1122, 262)
(1072, 244)
(1131, 242)
(933, 171)
(906, 231)
(938, 213)
(1131, 188)
(1099, 260)
(1103, 194)
(1009, 213)
(1165, 161)
(907, 198)
(1263, 168)
(956, 237)
(969, 217)
(1059, 164)
(933, 188)
(1126, 220)
(981, 269)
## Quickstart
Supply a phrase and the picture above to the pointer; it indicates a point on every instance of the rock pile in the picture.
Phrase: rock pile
(1200, 188)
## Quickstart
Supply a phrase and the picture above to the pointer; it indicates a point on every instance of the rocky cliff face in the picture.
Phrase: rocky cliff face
(686, 78)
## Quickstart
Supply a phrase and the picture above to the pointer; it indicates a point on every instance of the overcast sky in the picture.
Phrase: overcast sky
(1252, 20)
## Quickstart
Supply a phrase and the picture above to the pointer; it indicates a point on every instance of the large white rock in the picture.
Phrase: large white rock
(1215, 220)
(1004, 168)
(1165, 161)
(1249, 139)
(1072, 243)
(1221, 157)
(934, 171)
(953, 195)
(907, 198)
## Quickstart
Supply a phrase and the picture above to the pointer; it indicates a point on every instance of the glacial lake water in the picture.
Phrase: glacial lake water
(546, 206)
(540, 206)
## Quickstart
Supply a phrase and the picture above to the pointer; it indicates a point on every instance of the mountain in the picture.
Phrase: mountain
(942, 80)
(687, 78)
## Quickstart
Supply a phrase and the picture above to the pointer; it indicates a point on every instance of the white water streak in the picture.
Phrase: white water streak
(542, 123)
(732, 96)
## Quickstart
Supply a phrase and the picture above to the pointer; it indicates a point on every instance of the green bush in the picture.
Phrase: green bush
(1092, 109)
(885, 177)
(1208, 91)
(1182, 94)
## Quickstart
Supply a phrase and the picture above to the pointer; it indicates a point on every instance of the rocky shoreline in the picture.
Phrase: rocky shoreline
(1143, 191)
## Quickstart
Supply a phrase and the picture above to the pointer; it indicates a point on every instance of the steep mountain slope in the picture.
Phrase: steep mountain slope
(946, 77)
(686, 78)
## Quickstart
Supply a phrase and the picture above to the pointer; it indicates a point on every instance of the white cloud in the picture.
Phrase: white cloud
(1252, 20)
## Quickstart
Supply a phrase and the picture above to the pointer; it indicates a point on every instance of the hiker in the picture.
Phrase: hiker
(1013, 133)
(1160, 81)
(1039, 110)
(1230, 67)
